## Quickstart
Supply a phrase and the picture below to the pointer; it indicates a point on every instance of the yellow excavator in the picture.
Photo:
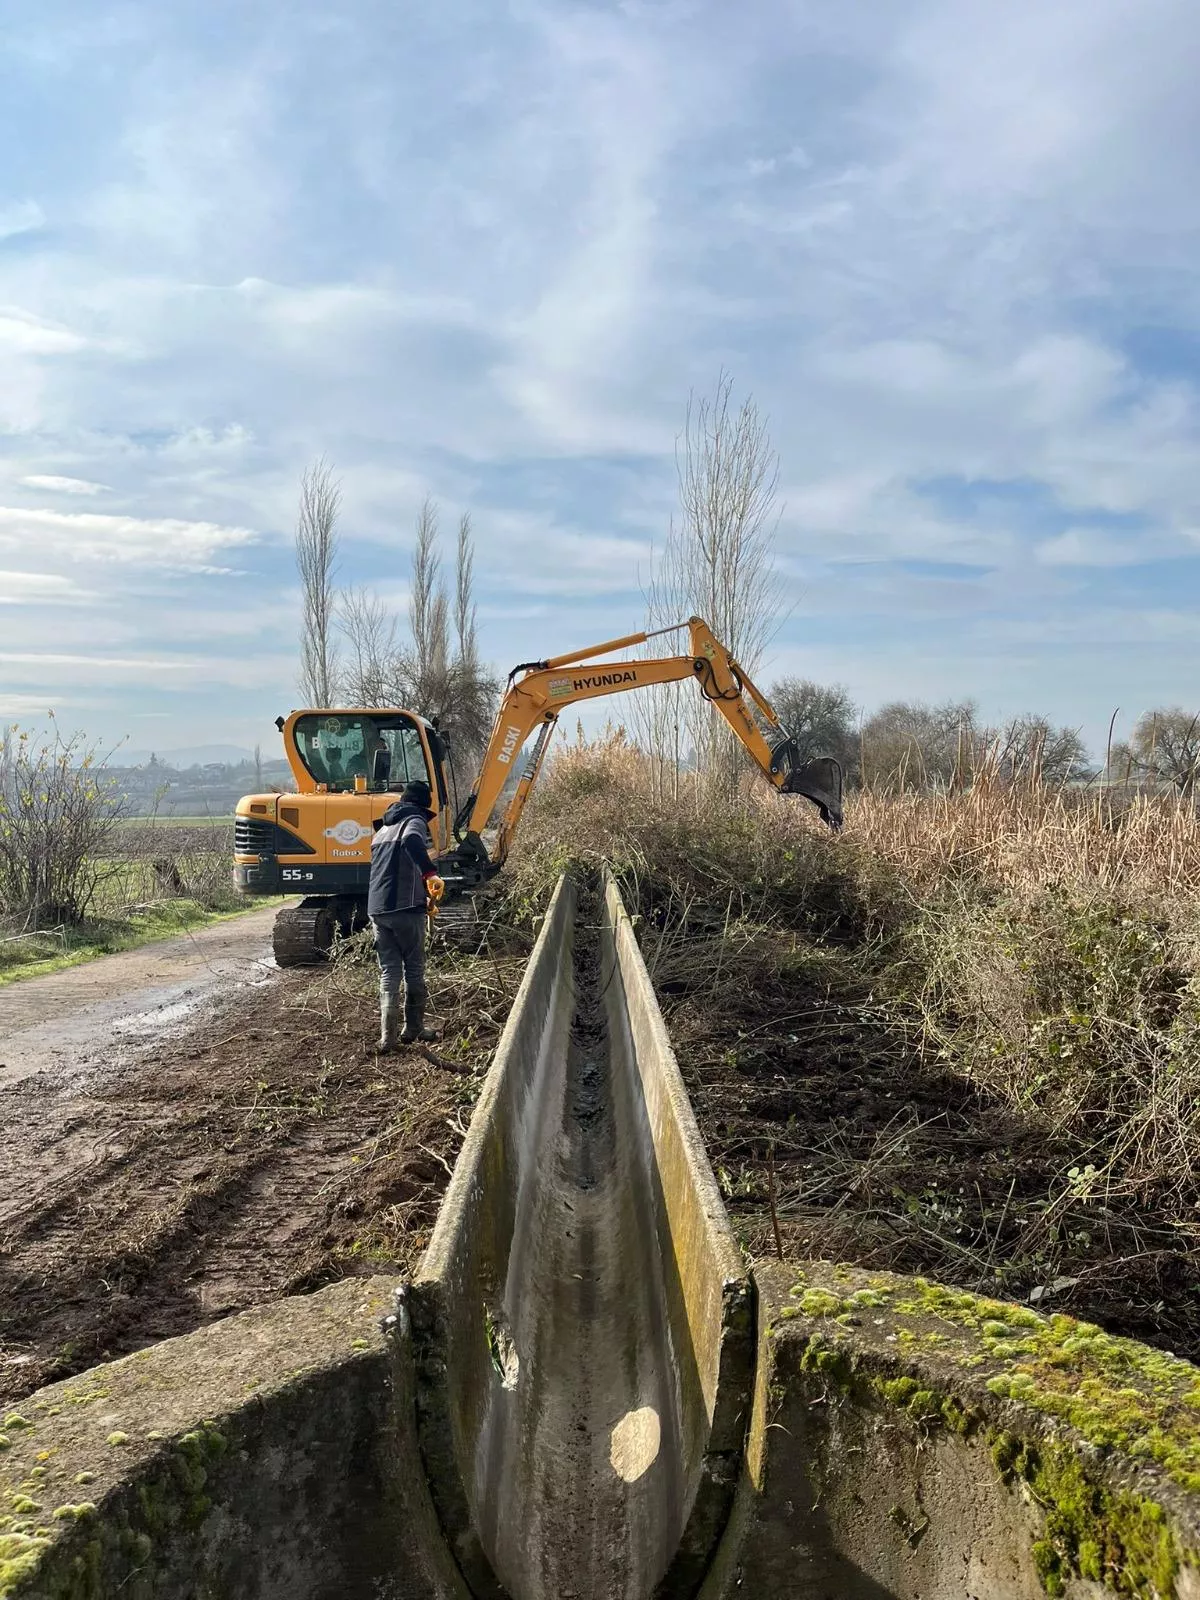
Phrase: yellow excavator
(350, 765)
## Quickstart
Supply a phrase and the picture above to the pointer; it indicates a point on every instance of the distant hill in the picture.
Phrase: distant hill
(197, 755)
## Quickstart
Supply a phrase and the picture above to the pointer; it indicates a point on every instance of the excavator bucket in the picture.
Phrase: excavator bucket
(819, 780)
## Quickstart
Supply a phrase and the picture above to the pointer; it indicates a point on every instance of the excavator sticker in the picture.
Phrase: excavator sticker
(347, 831)
(603, 680)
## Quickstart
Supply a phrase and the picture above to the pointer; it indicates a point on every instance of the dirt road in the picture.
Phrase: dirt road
(92, 1013)
(185, 1131)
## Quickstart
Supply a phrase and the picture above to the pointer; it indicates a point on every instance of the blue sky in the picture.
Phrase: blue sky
(484, 251)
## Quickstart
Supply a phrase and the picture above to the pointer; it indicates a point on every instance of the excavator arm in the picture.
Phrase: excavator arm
(544, 689)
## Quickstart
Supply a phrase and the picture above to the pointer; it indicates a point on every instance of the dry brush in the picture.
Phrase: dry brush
(964, 1033)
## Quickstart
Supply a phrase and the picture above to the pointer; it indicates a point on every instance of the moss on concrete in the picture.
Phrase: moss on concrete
(165, 1438)
(814, 1303)
(20, 1555)
(1100, 1434)
(1117, 1394)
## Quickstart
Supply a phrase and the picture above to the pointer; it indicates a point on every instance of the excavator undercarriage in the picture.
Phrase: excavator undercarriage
(304, 935)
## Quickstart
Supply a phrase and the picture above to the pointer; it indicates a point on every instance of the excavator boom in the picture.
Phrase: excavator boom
(539, 691)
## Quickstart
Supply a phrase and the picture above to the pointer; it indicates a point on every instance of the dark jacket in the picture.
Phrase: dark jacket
(399, 861)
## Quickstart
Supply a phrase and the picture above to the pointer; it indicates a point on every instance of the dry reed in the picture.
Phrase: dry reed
(1026, 838)
(1032, 953)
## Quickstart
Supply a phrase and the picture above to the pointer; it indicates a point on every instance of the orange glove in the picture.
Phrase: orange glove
(435, 889)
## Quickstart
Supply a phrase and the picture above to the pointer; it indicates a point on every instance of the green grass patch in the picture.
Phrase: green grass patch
(51, 952)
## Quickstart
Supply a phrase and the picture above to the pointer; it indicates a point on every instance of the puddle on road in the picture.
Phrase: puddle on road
(166, 1017)
(144, 1023)
(86, 1034)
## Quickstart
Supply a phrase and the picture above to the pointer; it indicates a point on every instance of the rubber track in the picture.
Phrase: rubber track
(302, 935)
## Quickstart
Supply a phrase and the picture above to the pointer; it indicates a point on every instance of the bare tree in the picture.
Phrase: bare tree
(911, 745)
(316, 560)
(821, 718)
(426, 659)
(1165, 748)
(472, 691)
(718, 563)
(443, 676)
(917, 746)
(728, 488)
(1030, 750)
(59, 811)
(425, 618)
(464, 588)
(369, 677)
(436, 669)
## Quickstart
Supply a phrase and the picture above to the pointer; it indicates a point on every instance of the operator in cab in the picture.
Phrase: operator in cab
(403, 881)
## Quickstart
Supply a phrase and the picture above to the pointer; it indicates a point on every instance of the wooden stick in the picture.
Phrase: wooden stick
(771, 1197)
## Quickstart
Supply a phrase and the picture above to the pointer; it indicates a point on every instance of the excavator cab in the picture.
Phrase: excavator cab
(372, 752)
(349, 766)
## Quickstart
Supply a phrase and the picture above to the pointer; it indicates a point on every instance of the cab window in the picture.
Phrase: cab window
(385, 750)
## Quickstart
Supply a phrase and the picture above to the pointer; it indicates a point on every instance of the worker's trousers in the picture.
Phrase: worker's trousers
(400, 945)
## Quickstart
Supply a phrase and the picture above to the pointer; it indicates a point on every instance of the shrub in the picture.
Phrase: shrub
(59, 811)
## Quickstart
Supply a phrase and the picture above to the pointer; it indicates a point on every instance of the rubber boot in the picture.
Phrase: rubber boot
(389, 1018)
(415, 1031)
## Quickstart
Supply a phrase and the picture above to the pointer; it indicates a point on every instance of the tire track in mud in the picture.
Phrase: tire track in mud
(181, 1225)
(230, 1166)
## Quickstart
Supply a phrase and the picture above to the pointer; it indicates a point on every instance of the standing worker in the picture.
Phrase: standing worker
(403, 881)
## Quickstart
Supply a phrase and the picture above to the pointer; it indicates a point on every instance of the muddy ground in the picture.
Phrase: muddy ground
(79, 1018)
(260, 1148)
(834, 1137)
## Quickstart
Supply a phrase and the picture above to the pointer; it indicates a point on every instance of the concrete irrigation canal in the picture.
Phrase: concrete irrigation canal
(585, 1394)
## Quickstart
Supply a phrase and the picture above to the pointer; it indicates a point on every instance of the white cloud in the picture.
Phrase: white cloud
(51, 659)
(23, 333)
(17, 588)
(61, 485)
(23, 705)
(1133, 626)
(1093, 547)
(860, 517)
(334, 306)
(58, 668)
(165, 543)
(22, 216)
(531, 556)
(200, 444)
